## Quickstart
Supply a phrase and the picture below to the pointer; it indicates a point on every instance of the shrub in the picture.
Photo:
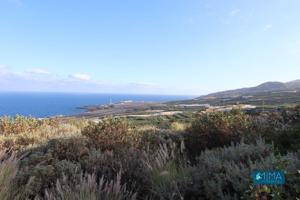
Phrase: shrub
(225, 173)
(89, 188)
(287, 140)
(37, 136)
(280, 128)
(129, 161)
(267, 124)
(20, 124)
(178, 127)
(17, 125)
(108, 133)
(291, 115)
(215, 129)
(169, 173)
(152, 139)
(43, 166)
(8, 170)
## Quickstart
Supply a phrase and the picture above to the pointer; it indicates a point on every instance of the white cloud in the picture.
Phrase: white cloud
(4, 69)
(40, 80)
(234, 12)
(38, 71)
(267, 27)
(82, 77)
(143, 83)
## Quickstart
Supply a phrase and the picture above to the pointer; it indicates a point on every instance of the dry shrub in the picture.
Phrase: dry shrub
(17, 125)
(37, 136)
(20, 124)
(109, 133)
(89, 188)
(178, 127)
(79, 123)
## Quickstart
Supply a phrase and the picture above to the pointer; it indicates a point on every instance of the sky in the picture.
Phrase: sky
(147, 47)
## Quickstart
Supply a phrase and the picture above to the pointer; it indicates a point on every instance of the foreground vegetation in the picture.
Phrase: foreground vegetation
(191, 156)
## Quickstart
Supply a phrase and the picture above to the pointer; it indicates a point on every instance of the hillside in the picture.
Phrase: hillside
(269, 93)
(264, 87)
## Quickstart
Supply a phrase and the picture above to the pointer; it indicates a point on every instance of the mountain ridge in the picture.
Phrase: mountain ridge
(271, 86)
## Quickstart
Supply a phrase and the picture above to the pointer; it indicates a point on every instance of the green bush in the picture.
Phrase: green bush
(169, 172)
(41, 167)
(215, 129)
(152, 139)
(225, 173)
(287, 140)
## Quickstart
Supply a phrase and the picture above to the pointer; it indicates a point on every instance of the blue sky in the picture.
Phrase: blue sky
(154, 47)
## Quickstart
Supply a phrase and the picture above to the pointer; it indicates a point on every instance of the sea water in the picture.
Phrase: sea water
(53, 104)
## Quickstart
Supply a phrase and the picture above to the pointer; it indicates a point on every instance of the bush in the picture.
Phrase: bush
(215, 129)
(43, 166)
(19, 124)
(169, 173)
(225, 173)
(178, 127)
(152, 139)
(129, 161)
(267, 124)
(109, 133)
(291, 115)
(89, 188)
(8, 170)
(37, 136)
(287, 140)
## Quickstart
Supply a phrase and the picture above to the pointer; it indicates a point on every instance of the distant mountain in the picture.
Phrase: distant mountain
(269, 93)
(293, 84)
(262, 88)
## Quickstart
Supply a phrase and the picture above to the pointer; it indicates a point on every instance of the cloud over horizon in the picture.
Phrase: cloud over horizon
(38, 71)
(41, 80)
(81, 77)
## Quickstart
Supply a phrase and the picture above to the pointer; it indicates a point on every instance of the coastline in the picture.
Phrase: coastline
(118, 109)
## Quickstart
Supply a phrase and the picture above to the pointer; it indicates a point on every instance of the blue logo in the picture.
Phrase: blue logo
(268, 177)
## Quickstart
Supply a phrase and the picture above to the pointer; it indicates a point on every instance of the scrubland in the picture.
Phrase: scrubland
(203, 156)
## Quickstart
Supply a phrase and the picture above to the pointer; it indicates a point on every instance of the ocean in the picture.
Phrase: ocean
(53, 104)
